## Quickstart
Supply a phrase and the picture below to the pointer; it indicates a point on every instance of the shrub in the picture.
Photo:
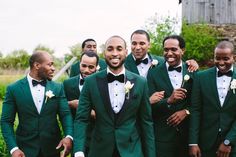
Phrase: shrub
(201, 40)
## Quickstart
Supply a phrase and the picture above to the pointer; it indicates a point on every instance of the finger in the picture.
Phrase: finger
(59, 145)
(62, 154)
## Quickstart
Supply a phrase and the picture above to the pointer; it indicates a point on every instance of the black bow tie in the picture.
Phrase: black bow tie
(178, 69)
(145, 61)
(111, 78)
(42, 83)
(229, 73)
(81, 82)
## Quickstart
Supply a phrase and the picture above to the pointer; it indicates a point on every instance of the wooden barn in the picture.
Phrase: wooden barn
(209, 11)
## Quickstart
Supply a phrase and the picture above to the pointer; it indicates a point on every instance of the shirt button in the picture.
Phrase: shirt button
(116, 94)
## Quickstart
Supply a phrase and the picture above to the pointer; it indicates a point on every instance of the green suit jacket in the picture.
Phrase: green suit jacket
(158, 80)
(35, 131)
(131, 65)
(74, 71)
(126, 130)
(72, 92)
(208, 118)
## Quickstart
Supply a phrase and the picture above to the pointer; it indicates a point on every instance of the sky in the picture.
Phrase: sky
(60, 24)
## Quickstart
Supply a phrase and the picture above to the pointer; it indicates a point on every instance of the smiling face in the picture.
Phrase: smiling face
(115, 53)
(90, 46)
(224, 59)
(172, 52)
(87, 65)
(139, 46)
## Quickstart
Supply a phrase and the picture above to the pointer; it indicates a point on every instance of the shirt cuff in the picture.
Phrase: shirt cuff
(69, 137)
(79, 154)
(13, 149)
(192, 144)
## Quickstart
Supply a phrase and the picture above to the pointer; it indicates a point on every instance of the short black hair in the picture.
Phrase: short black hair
(90, 54)
(116, 36)
(226, 44)
(141, 31)
(84, 42)
(37, 56)
(177, 37)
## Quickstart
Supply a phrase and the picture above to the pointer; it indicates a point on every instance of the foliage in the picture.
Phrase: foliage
(158, 29)
(17, 59)
(44, 48)
(201, 40)
(75, 51)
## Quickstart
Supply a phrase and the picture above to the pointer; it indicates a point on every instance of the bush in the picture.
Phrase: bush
(201, 40)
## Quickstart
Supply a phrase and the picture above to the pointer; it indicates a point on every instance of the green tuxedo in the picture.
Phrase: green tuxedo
(209, 121)
(131, 65)
(169, 140)
(76, 71)
(35, 132)
(72, 92)
(131, 131)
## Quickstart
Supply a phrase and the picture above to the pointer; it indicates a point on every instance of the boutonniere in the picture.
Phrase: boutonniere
(49, 94)
(97, 68)
(128, 87)
(186, 78)
(154, 63)
(233, 85)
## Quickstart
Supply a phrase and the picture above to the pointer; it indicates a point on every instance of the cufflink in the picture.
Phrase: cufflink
(187, 112)
(226, 142)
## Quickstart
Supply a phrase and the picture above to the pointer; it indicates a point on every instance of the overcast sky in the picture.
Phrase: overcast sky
(60, 24)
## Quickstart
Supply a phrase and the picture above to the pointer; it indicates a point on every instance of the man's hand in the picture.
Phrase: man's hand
(18, 153)
(223, 150)
(176, 118)
(156, 97)
(93, 114)
(67, 144)
(177, 94)
(194, 151)
(73, 103)
(192, 65)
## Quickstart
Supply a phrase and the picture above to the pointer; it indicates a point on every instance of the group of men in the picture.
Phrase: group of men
(130, 105)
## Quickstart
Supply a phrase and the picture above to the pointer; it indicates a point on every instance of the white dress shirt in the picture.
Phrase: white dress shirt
(176, 78)
(143, 68)
(37, 92)
(116, 92)
(223, 84)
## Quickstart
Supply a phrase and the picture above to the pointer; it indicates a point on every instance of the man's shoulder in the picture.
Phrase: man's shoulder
(71, 80)
(135, 76)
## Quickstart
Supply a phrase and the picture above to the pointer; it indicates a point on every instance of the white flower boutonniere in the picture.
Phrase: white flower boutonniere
(49, 94)
(186, 78)
(233, 85)
(98, 67)
(128, 87)
(154, 62)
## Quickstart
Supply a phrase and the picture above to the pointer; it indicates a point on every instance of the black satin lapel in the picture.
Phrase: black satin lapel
(103, 89)
(126, 102)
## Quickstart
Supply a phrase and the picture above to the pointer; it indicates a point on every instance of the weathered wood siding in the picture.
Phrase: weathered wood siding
(209, 11)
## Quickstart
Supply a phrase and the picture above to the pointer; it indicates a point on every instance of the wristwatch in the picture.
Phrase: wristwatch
(187, 112)
(226, 142)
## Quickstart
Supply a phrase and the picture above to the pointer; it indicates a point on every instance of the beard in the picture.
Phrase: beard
(115, 67)
(43, 75)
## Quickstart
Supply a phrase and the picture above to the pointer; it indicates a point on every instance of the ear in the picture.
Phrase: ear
(183, 51)
(37, 65)
(234, 56)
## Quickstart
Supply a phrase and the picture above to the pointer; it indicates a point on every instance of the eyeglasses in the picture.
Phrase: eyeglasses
(172, 49)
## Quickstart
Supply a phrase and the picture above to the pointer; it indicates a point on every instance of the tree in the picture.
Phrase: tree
(158, 29)
(75, 52)
(44, 48)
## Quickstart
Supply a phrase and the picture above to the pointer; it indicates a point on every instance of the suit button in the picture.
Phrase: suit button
(219, 130)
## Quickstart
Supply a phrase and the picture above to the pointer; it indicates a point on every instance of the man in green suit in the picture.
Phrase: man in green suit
(87, 45)
(213, 107)
(170, 86)
(140, 60)
(73, 86)
(123, 124)
(37, 101)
